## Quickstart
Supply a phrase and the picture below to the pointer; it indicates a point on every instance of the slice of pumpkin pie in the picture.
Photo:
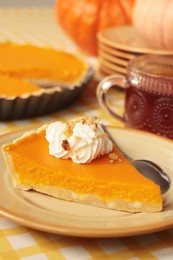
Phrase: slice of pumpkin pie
(76, 161)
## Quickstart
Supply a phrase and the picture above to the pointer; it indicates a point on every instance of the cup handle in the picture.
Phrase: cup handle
(102, 89)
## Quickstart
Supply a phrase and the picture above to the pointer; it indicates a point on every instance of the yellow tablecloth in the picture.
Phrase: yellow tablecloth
(38, 26)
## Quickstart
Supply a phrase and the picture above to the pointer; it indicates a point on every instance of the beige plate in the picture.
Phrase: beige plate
(112, 66)
(108, 71)
(115, 52)
(45, 213)
(126, 38)
(113, 59)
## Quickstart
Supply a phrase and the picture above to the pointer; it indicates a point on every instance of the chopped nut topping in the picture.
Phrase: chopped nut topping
(65, 145)
(68, 130)
(113, 157)
(111, 161)
(87, 120)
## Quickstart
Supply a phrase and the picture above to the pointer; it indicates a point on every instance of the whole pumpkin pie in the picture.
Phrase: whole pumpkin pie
(35, 80)
(76, 161)
(45, 66)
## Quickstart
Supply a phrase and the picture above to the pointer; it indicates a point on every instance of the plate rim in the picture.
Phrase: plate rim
(108, 71)
(116, 52)
(85, 231)
(126, 47)
(112, 66)
(113, 59)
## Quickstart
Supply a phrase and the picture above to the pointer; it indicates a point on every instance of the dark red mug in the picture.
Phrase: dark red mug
(148, 94)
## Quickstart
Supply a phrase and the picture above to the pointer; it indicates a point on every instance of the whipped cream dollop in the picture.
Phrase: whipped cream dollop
(82, 140)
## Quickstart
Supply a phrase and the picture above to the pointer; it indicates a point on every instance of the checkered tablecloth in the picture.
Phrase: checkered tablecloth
(38, 26)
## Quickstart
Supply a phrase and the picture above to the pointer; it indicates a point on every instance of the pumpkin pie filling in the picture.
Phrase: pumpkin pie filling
(36, 63)
(108, 184)
(12, 87)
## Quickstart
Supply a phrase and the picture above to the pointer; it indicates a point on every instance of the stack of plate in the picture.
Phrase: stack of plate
(118, 45)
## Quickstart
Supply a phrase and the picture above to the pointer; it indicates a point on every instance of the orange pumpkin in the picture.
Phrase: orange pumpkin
(154, 21)
(82, 19)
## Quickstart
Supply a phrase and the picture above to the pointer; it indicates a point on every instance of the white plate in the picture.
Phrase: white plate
(48, 214)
